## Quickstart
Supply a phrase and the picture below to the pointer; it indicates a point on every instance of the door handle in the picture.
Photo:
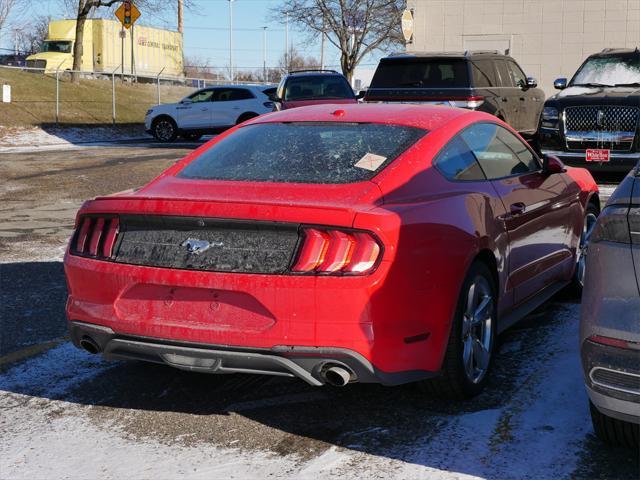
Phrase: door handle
(522, 99)
(203, 109)
(517, 209)
(236, 108)
(504, 99)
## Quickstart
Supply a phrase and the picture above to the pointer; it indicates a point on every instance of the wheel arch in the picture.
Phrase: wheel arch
(246, 116)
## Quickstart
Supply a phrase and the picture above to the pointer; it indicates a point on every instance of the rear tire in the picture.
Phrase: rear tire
(613, 431)
(590, 218)
(164, 129)
(470, 350)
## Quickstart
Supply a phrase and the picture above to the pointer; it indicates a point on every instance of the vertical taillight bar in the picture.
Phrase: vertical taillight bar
(96, 236)
(334, 251)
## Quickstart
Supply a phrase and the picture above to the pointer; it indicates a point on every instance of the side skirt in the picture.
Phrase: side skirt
(524, 309)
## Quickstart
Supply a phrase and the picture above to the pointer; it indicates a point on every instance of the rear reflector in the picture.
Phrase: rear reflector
(96, 237)
(337, 251)
(614, 342)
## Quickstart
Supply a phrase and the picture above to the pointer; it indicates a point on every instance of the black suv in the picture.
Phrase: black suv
(594, 122)
(487, 81)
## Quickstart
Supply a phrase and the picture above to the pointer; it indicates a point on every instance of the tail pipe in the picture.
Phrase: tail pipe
(90, 345)
(337, 375)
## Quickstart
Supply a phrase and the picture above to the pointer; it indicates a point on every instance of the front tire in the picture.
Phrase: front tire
(613, 431)
(164, 129)
(471, 345)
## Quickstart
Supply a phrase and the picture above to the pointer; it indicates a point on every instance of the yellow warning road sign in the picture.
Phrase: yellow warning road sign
(127, 13)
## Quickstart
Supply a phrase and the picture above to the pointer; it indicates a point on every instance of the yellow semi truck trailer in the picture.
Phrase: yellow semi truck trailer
(153, 49)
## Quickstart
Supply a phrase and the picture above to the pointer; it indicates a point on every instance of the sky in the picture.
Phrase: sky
(206, 33)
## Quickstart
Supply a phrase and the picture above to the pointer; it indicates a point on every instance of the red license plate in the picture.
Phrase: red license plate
(597, 155)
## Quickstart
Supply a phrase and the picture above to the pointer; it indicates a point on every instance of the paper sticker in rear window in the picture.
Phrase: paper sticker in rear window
(370, 162)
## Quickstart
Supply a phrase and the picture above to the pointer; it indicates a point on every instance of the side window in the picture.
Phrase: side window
(503, 74)
(517, 75)
(456, 162)
(499, 152)
(241, 94)
(202, 96)
(483, 73)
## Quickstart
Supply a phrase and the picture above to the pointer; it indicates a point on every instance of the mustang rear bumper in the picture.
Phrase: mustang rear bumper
(306, 363)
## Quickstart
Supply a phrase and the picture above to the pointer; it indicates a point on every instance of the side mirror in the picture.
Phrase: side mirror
(186, 101)
(361, 94)
(532, 82)
(560, 83)
(552, 165)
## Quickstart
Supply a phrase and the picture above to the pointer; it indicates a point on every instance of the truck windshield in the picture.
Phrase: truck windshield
(609, 71)
(422, 73)
(56, 46)
(303, 152)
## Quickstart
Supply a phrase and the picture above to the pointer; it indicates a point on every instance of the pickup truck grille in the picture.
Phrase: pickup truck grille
(194, 243)
(610, 127)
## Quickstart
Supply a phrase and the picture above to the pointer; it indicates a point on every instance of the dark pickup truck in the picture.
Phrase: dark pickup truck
(594, 122)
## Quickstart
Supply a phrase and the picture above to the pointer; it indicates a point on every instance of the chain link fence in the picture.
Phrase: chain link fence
(41, 96)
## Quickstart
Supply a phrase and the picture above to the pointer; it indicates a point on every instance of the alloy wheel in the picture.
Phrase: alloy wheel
(477, 323)
(164, 130)
(587, 229)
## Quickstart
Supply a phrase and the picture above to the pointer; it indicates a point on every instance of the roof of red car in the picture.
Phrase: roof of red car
(428, 117)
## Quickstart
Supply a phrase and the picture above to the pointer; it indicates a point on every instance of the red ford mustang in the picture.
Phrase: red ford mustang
(337, 244)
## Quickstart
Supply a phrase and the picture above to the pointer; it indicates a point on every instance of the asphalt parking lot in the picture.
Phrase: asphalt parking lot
(66, 414)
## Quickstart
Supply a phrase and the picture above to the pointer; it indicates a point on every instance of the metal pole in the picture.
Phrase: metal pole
(122, 37)
(158, 80)
(113, 97)
(264, 54)
(322, 46)
(286, 43)
(58, 94)
(231, 40)
(132, 59)
(180, 27)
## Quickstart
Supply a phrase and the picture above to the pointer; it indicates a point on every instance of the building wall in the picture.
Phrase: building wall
(548, 38)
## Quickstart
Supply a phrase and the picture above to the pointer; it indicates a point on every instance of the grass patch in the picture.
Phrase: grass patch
(34, 99)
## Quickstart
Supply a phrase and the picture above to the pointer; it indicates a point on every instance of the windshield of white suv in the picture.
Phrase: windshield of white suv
(61, 47)
(609, 71)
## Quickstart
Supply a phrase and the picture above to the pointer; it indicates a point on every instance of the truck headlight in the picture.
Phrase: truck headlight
(550, 118)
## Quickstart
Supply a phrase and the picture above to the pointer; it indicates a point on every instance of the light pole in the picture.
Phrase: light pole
(322, 46)
(264, 54)
(286, 43)
(231, 40)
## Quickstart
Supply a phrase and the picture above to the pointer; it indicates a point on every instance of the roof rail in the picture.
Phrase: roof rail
(319, 70)
(481, 52)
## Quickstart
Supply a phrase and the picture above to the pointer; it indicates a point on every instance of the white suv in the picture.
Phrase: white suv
(209, 110)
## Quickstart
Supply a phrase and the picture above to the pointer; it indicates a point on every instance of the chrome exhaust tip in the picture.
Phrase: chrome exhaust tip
(336, 375)
(90, 345)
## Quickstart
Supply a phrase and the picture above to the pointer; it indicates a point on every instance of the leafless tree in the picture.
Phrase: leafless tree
(9, 8)
(294, 61)
(33, 34)
(355, 27)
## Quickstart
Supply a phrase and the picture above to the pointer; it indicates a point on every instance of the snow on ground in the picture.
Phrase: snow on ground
(35, 138)
(537, 434)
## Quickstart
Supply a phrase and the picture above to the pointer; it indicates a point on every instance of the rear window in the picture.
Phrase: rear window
(311, 87)
(303, 152)
(423, 73)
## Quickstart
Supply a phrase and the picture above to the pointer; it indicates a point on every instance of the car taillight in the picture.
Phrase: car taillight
(468, 102)
(617, 224)
(337, 252)
(95, 237)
